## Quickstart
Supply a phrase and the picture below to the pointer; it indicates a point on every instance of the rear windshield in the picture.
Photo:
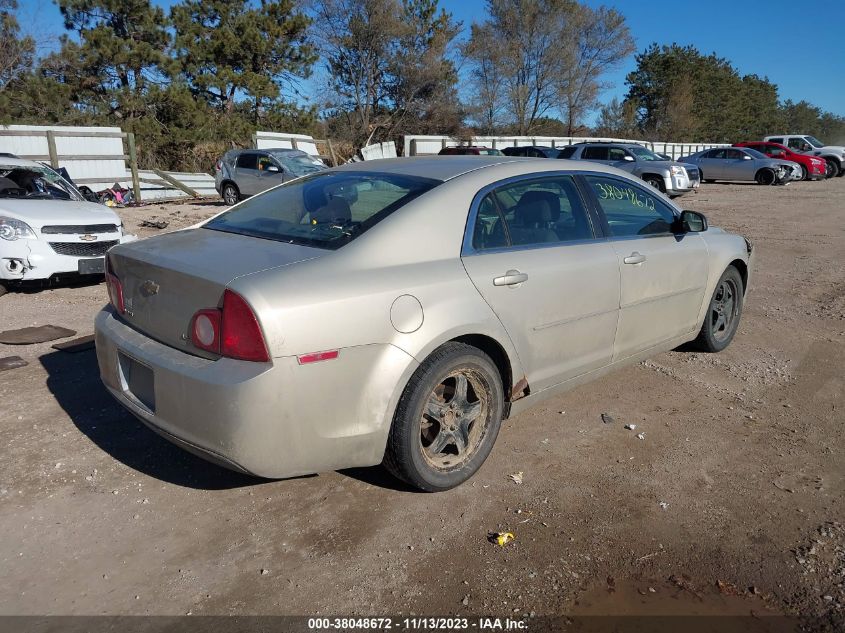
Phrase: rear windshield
(325, 210)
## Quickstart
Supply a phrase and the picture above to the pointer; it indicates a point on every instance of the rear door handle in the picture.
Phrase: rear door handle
(510, 278)
(634, 258)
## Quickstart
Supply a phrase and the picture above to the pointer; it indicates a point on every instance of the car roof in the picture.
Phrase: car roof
(448, 167)
(19, 162)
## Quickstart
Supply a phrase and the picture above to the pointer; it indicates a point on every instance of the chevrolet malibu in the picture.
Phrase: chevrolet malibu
(398, 311)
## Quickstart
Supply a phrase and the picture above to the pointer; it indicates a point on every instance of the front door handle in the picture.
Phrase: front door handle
(634, 258)
(510, 278)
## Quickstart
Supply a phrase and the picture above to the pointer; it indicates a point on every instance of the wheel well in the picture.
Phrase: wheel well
(761, 170)
(229, 181)
(499, 357)
(658, 176)
(742, 267)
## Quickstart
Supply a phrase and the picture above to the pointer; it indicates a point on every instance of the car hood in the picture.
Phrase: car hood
(40, 212)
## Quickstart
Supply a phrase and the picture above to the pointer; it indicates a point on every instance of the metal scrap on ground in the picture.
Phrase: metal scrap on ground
(30, 335)
(12, 362)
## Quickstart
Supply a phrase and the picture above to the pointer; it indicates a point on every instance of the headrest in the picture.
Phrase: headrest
(546, 196)
(537, 212)
(337, 210)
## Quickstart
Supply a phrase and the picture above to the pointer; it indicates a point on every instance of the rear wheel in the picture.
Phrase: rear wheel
(447, 419)
(656, 182)
(765, 177)
(230, 193)
(723, 313)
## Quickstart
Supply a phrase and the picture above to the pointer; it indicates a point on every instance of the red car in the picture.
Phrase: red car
(813, 168)
(469, 150)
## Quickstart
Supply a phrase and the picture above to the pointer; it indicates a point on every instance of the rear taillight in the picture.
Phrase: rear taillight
(218, 165)
(115, 289)
(231, 331)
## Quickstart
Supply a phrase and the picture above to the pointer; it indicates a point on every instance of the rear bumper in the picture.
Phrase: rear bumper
(277, 419)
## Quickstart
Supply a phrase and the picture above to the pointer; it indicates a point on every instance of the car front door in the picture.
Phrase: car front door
(270, 173)
(737, 166)
(710, 164)
(246, 173)
(533, 256)
(663, 275)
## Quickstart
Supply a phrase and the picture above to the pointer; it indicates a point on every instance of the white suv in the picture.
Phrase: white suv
(47, 228)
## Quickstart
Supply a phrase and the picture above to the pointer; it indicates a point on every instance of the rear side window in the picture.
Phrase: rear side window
(594, 153)
(567, 151)
(734, 154)
(536, 212)
(248, 161)
(779, 141)
(629, 209)
(324, 210)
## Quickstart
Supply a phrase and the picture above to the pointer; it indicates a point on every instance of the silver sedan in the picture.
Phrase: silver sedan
(397, 311)
(740, 163)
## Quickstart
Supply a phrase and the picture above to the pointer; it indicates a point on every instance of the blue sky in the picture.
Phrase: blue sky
(797, 44)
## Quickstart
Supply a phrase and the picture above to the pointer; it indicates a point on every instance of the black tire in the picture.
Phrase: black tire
(765, 177)
(831, 168)
(723, 313)
(656, 182)
(805, 173)
(702, 178)
(230, 193)
(841, 172)
(433, 418)
(3, 290)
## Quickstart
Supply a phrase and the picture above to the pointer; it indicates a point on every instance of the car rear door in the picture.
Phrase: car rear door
(663, 275)
(246, 173)
(712, 163)
(533, 255)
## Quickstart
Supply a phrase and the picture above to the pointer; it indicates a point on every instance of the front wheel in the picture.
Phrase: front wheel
(805, 173)
(656, 182)
(765, 177)
(447, 419)
(723, 313)
(831, 169)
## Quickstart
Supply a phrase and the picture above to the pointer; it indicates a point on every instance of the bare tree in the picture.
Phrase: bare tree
(594, 41)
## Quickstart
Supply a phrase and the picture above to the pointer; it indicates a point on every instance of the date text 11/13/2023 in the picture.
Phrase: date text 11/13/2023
(417, 624)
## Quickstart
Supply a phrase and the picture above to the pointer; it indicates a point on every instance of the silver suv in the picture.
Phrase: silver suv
(245, 172)
(670, 177)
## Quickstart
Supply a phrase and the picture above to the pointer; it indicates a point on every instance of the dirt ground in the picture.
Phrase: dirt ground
(732, 502)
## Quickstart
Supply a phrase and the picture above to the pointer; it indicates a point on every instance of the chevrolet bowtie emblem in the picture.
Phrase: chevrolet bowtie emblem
(149, 288)
(88, 238)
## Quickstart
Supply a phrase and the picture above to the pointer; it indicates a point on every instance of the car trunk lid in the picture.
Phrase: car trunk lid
(168, 278)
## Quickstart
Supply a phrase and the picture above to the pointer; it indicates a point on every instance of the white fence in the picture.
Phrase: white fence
(96, 157)
(379, 150)
(418, 145)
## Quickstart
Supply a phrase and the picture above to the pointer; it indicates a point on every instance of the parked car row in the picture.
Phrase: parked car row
(775, 160)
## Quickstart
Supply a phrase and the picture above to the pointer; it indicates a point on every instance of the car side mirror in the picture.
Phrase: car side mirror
(272, 169)
(690, 222)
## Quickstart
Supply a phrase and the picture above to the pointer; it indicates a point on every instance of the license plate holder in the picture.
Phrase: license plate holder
(93, 266)
(138, 381)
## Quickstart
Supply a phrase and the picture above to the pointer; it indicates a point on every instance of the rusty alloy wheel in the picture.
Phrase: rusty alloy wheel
(453, 423)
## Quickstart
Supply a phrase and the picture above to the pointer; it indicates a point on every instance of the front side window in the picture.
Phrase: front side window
(812, 140)
(616, 153)
(528, 213)
(324, 210)
(643, 153)
(630, 210)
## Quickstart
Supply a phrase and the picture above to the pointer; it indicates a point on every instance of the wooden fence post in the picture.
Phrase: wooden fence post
(331, 152)
(51, 149)
(133, 167)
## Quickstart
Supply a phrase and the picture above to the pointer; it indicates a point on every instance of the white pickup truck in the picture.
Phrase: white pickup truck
(833, 155)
